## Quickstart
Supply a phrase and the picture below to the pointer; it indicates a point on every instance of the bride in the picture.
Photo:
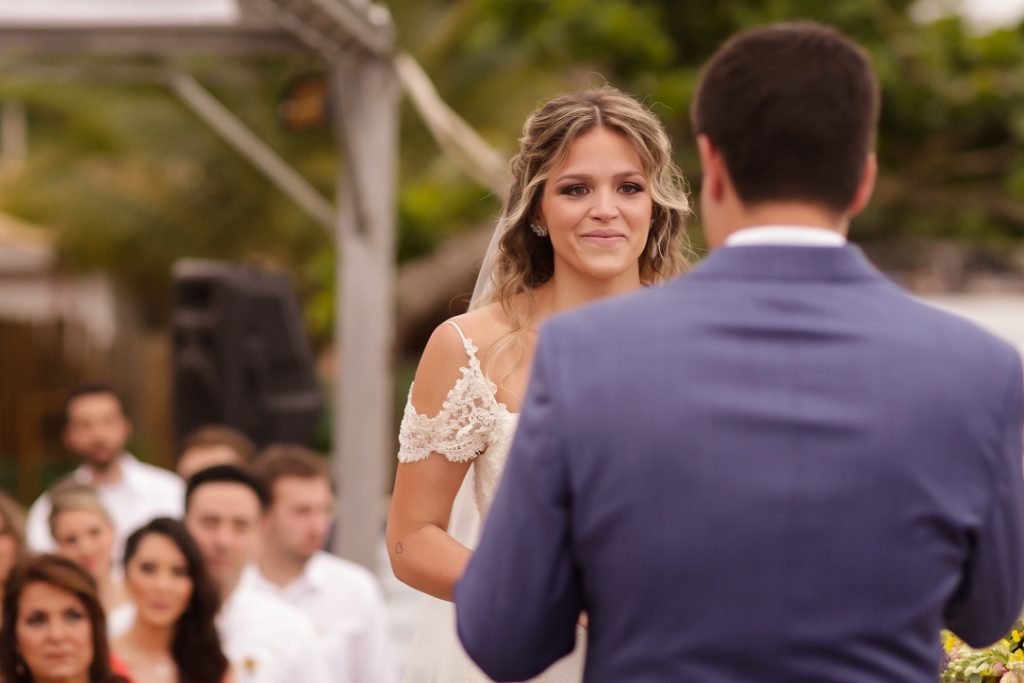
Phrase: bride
(596, 208)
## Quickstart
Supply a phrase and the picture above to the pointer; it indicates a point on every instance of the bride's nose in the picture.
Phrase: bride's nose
(604, 207)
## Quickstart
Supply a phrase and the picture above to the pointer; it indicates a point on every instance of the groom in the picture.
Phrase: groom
(779, 468)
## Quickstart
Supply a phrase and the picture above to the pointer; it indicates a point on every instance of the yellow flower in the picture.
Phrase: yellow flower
(950, 642)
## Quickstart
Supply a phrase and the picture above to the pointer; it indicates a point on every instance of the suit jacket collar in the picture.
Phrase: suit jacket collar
(771, 262)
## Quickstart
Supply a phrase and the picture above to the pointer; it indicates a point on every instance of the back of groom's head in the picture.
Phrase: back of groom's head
(793, 109)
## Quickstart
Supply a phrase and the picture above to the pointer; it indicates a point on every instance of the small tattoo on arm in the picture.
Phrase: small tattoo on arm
(398, 549)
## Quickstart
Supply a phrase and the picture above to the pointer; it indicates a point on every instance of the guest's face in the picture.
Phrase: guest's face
(97, 429)
(597, 207)
(53, 634)
(157, 578)
(300, 517)
(224, 518)
(86, 538)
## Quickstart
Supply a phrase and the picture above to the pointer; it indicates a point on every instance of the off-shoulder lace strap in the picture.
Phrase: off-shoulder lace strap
(462, 429)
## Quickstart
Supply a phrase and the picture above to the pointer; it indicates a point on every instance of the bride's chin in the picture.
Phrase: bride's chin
(609, 271)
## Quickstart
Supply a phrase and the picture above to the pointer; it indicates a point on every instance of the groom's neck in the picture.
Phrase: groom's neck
(776, 213)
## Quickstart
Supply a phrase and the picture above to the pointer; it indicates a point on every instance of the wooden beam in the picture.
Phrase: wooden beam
(137, 42)
(369, 25)
(248, 144)
(365, 104)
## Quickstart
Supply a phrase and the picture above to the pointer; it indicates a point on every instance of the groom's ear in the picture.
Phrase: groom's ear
(714, 175)
(866, 187)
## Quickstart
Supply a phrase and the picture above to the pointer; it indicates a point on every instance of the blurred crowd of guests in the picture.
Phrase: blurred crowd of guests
(123, 571)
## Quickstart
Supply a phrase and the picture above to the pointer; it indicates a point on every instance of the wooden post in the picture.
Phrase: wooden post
(365, 98)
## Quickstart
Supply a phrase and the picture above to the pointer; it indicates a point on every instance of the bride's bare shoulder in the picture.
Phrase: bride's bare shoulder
(445, 354)
(484, 325)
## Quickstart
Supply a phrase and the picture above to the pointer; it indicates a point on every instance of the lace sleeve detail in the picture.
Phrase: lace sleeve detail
(461, 430)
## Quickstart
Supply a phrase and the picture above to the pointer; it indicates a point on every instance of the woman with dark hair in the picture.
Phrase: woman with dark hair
(173, 637)
(53, 628)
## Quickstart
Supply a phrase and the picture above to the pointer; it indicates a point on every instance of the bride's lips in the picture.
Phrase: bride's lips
(603, 236)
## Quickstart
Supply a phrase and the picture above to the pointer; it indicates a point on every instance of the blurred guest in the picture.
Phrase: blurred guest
(53, 625)
(214, 445)
(84, 533)
(12, 536)
(266, 639)
(172, 636)
(96, 429)
(343, 599)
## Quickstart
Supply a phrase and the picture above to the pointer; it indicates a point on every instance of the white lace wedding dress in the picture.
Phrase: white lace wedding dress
(472, 425)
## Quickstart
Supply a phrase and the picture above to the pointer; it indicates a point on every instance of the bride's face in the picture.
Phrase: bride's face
(597, 207)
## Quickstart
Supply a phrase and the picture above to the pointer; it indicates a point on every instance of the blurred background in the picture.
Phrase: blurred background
(108, 179)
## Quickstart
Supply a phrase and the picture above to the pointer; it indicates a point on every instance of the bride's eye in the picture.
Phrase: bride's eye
(574, 190)
(631, 188)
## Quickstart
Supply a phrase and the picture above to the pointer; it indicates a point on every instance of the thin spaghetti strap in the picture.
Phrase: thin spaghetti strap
(467, 343)
(457, 329)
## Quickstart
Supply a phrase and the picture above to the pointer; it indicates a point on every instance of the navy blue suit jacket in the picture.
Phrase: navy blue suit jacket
(778, 468)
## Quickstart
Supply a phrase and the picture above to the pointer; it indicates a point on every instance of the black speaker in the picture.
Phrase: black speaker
(241, 356)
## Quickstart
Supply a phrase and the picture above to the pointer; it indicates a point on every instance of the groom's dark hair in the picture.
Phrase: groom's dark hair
(793, 108)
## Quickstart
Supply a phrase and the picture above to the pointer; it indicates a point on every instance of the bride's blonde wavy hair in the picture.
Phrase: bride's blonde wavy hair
(525, 261)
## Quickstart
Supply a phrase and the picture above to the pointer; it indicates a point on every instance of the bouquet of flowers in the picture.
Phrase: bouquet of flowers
(1001, 663)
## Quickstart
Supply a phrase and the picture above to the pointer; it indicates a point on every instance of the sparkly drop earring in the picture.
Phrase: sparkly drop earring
(539, 229)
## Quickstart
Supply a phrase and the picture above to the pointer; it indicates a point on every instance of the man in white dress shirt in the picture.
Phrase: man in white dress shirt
(265, 639)
(96, 429)
(343, 599)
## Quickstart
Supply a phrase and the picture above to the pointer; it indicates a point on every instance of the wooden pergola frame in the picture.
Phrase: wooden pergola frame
(355, 39)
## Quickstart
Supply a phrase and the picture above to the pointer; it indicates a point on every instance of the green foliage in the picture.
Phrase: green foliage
(132, 180)
(950, 126)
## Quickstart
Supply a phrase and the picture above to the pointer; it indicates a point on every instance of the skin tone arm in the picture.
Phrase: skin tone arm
(422, 553)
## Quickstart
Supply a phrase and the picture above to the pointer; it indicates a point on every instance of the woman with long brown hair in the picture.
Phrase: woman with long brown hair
(172, 637)
(596, 208)
(53, 628)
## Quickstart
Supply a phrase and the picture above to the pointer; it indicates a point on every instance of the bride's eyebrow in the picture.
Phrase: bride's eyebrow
(587, 177)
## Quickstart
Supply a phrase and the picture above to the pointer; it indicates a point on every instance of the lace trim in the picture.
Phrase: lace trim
(461, 429)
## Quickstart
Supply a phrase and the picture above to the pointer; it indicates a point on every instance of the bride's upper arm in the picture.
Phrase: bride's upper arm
(439, 369)
(425, 488)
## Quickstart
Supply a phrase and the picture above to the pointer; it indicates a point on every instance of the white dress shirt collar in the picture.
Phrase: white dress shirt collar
(785, 235)
(314, 577)
(126, 461)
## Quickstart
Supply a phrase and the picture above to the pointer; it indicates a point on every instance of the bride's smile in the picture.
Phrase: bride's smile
(597, 207)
